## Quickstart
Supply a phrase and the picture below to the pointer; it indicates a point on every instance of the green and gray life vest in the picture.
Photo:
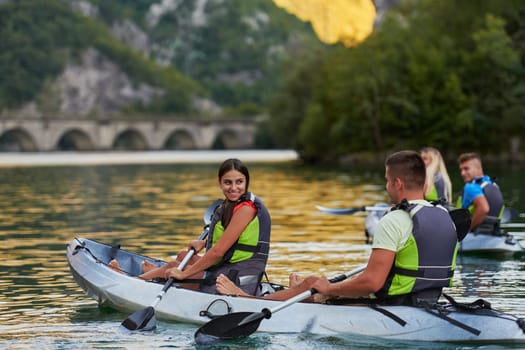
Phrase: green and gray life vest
(254, 241)
(428, 259)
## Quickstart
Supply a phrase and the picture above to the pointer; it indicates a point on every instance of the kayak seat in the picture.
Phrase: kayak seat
(489, 226)
(130, 263)
(266, 288)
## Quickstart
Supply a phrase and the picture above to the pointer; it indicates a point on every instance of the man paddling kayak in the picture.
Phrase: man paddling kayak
(480, 195)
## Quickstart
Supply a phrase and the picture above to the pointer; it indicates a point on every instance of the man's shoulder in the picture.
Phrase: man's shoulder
(396, 215)
(393, 230)
(400, 216)
(473, 185)
(487, 179)
(413, 202)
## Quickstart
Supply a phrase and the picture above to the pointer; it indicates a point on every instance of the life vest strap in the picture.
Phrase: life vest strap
(421, 273)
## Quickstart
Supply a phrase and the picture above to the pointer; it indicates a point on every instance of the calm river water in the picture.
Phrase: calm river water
(156, 209)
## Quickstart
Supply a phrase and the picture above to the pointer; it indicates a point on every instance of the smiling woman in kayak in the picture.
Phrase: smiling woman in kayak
(238, 242)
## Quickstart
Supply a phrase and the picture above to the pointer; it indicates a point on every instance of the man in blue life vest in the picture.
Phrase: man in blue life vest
(480, 195)
(414, 250)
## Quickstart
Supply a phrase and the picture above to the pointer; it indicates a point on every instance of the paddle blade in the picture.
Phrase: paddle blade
(462, 219)
(141, 320)
(231, 326)
(339, 211)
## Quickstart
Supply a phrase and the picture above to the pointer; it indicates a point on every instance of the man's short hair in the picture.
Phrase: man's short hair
(465, 157)
(409, 167)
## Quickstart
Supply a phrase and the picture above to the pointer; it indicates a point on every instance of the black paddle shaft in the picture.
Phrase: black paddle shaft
(242, 324)
(144, 319)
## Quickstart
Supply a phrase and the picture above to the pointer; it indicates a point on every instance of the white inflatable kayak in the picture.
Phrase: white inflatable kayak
(444, 323)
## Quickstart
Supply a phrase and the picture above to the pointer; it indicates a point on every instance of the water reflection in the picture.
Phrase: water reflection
(154, 210)
(498, 278)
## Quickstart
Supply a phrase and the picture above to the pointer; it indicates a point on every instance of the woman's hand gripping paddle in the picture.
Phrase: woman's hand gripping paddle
(144, 320)
(242, 324)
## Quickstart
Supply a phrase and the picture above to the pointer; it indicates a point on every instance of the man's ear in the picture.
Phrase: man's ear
(399, 183)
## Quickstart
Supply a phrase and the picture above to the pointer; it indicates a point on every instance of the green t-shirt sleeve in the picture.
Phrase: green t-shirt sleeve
(393, 231)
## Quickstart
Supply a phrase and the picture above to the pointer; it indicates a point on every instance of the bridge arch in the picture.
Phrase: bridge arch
(227, 139)
(180, 139)
(130, 140)
(75, 140)
(48, 134)
(17, 140)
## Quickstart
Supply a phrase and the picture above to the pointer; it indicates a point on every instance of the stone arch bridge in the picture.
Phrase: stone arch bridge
(34, 135)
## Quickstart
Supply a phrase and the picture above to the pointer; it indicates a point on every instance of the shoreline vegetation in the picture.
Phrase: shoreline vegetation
(379, 157)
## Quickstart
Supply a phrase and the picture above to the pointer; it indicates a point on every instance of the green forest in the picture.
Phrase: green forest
(448, 74)
(39, 37)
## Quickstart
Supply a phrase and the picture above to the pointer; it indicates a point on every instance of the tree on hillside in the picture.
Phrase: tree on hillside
(33, 47)
(447, 74)
(39, 37)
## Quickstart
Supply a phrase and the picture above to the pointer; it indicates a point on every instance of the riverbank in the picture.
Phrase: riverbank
(147, 157)
(378, 158)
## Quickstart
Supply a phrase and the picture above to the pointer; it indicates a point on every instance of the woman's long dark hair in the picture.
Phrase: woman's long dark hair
(227, 165)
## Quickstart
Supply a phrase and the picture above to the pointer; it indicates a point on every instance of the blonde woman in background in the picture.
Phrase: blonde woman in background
(438, 181)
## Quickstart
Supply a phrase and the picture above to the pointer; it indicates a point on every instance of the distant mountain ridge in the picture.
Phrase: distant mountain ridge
(202, 57)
